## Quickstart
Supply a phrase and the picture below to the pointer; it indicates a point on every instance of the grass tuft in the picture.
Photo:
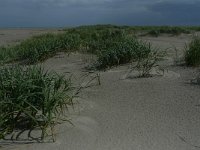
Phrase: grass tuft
(192, 55)
(39, 48)
(126, 50)
(31, 98)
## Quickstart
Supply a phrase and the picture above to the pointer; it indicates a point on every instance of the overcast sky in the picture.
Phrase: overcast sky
(59, 13)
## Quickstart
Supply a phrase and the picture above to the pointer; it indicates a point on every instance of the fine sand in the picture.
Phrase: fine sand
(14, 36)
(156, 113)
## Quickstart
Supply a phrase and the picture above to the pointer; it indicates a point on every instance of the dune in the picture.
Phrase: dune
(155, 113)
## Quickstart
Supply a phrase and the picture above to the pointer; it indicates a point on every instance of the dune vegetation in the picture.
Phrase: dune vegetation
(32, 98)
(100, 40)
(112, 45)
(39, 48)
(192, 55)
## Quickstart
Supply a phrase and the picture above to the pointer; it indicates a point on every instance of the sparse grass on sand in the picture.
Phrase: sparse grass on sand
(33, 98)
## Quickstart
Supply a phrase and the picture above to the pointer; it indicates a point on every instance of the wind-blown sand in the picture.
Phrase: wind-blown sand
(157, 113)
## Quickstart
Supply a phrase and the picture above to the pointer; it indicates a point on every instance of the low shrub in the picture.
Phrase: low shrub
(31, 98)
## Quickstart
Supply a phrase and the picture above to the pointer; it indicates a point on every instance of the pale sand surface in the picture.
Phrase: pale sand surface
(13, 36)
(157, 113)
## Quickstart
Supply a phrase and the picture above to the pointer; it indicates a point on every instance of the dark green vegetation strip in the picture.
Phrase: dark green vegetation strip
(39, 48)
(148, 30)
(31, 98)
(102, 40)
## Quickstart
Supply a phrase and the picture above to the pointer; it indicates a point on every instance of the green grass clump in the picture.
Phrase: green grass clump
(31, 98)
(93, 39)
(145, 65)
(111, 45)
(6, 54)
(156, 31)
(125, 50)
(40, 47)
(104, 40)
(192, 55)
(90, 39)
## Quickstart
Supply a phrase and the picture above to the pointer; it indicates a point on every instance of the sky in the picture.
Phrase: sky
(67, 13)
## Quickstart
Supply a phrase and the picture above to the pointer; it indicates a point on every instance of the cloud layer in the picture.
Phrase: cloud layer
(50, 13)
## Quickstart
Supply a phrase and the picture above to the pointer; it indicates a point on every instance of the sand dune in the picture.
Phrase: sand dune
(155, 113)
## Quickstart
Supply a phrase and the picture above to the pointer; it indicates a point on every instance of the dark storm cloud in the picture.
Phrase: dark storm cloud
(76, 12)
(183, 13)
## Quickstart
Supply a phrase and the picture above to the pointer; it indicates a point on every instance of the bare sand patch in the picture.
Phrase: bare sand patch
(14, 36)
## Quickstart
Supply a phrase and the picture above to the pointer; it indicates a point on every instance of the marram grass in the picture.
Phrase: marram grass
(40, 47)
(31, 98)
(192, 55)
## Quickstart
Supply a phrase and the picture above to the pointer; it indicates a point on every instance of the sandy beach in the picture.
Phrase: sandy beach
(155, 113)
(14, 36)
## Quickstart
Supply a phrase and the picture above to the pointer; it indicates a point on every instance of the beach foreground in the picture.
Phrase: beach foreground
(154, 113)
